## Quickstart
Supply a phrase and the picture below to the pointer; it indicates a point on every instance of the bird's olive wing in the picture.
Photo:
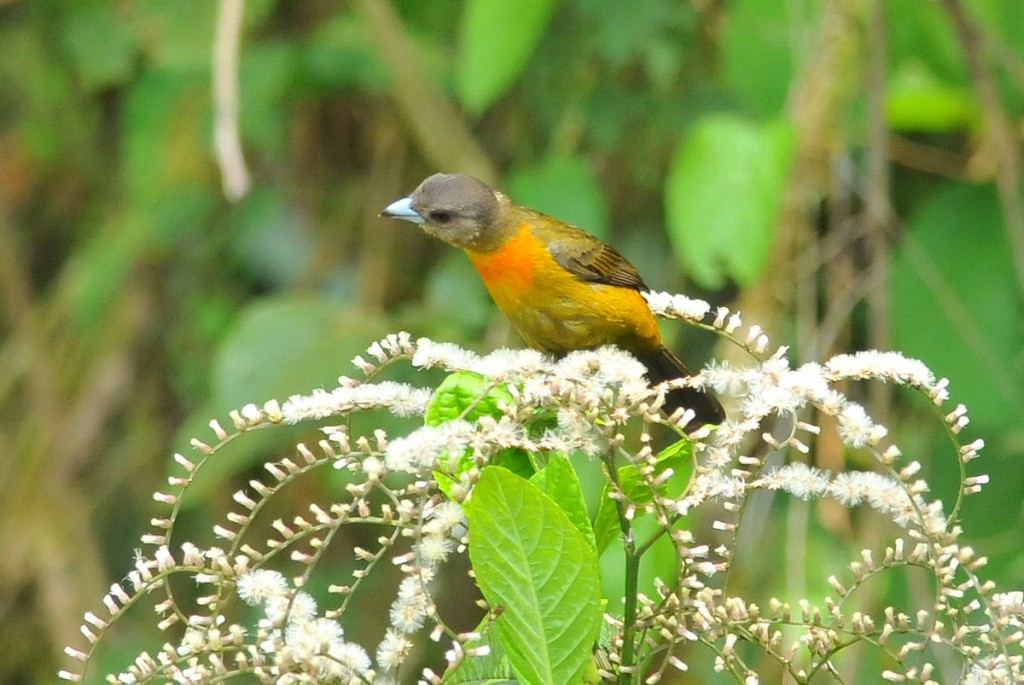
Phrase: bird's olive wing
(591, 260)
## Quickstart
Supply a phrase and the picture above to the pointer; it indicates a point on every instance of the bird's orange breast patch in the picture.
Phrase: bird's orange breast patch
(511, 267)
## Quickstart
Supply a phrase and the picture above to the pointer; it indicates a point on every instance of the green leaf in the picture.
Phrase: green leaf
(278, 347)
(466, 394)
(492, 668)
(558, 480)
(564, 187)
(271, 238)
(916, 100)
(165, 124)
(757, 50)
(516, 460)
(340, 54)
(956, 305)
(496, 38)
(455, 302)
(676, 457)
(100, 47)
(606, 522)
(446, 483)
(469, 395)
(532, 562)
(168, 38)
(723, 195)
(266, 80)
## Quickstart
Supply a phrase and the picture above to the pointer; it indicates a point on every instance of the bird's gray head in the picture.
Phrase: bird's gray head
(456, 208)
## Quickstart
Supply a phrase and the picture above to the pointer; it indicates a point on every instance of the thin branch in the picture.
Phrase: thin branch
(927, 158)
(877, 215)
(227, 142)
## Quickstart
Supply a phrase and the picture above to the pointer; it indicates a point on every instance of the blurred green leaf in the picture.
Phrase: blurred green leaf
(279, 347)
(531, 560)
(956, 303)
(496, 38)
(270, 238)
(35, 92)
(918, 101)
(341, 54)
(757, 50)
(290, 344)
(454, 294)
(165, 134)
(105, 263)
(648, 32)
(267, 76)
(564, 187)
(919, 32)
(175, 35)
(99, 43)
(723, 194)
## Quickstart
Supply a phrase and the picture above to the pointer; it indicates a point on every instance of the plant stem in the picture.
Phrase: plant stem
(627, 675)
(627, 667)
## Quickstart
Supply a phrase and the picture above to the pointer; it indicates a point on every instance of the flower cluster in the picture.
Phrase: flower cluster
(596, 405)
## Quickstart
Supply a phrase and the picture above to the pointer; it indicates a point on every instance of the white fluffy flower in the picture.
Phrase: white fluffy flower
(393, 649)
(256, 587)
(422, 447)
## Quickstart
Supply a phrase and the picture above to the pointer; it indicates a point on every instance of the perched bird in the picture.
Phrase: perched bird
(562, 288)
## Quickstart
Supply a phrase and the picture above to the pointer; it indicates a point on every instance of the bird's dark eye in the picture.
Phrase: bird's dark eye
(440, 217)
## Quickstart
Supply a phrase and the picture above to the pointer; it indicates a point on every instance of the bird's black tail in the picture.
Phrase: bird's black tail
(662, 366)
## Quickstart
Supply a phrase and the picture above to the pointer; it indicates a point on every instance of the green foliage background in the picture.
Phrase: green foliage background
(847, 173)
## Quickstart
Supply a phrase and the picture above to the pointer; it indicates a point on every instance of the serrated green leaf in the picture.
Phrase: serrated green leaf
(676, 457)
(516, 460)
(496, 38)
(492, 668)
(530, 560)
(445, 483)
(469, 395)
(558, 480)
(725, 156)
(465, 394)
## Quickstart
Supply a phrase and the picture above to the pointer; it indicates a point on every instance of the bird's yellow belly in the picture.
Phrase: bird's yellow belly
(555, 311)
(593, 315)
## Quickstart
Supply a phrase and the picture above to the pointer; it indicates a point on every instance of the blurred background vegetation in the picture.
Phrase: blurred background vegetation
(846, 173)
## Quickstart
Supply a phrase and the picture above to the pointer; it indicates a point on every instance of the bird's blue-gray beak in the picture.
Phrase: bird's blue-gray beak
(402, 209)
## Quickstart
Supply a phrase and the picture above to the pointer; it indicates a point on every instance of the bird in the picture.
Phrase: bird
(561, 288)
